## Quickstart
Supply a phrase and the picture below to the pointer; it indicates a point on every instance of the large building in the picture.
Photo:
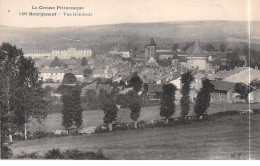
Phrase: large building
(62, 54)
(150, 50)
(196, 57)
(52, 74)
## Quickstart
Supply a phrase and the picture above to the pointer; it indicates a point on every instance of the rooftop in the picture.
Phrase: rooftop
(196, 50)
(155, 87)
(224, 74)
(223, 85)
(51, 70)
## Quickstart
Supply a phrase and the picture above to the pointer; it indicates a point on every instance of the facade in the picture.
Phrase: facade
(150, 49)
(69, 53)
(54, 74)
(37, 55)
(254, 96)
(196, 57)
(224, 92)
(62, 54)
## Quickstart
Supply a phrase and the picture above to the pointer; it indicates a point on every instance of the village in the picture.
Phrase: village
(84, 94)
(154, 66)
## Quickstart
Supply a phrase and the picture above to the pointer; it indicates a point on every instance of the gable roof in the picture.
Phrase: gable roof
(224, 74)
(51, 70)
(222, 85)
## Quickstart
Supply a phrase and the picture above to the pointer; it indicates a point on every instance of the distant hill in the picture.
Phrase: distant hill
(103, 38)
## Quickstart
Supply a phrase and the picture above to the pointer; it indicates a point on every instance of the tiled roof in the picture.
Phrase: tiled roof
(224, 74)
(196, 50)
(51, 70)
(155, 87)
(222, 85)
(152, 43)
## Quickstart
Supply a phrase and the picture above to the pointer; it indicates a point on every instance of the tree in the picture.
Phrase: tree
(67, 110)
(255, 83)
(56, 62)
(135, 106)
(175, 47)
(69, 78)
(234, 60)
(209, 48)
(77, 118)
(110, 110)
(136, 82)
(222, 48)
(21, 94)
(203, 98)
(242, 89)
(186, 80)
(65, 66)
(71, 109)
(167, 108)
(84, 62)
(47, 91)
(87, 73)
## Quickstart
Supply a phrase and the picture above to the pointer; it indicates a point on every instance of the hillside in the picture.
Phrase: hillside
(104, 37)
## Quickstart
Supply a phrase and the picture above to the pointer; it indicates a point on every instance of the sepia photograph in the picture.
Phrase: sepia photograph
(130, 79)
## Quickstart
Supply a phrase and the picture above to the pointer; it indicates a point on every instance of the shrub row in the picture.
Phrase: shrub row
(74, 154)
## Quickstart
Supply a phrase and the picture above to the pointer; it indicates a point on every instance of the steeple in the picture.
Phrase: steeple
(152, 42)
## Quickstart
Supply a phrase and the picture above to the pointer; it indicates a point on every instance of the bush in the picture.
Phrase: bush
(74, 154)
(6, 152)
(34, 155)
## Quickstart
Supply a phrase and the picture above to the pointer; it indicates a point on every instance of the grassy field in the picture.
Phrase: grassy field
(223, 138)
(95, 117)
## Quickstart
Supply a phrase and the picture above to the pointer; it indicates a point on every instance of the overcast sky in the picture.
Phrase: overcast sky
(125, 11)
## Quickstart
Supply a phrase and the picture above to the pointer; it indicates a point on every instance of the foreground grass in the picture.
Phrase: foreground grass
(223, 138)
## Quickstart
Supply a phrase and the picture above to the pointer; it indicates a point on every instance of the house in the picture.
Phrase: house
(238, 74)
(176, 80)
(224, 92)
(254, 96)
(55, 74)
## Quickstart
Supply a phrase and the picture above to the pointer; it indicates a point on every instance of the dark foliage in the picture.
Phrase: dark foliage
(84, 62)
(57, 154)
(87, 73)
(6, 152)
(222, 48)
(234, 60)
(242, 89)
(21, 92)
(72, 110)
(69, 78)
(167, 108)
(203, 98)
(56, 63)
(186, 80)
(136, 82)
(109, 107)
(135, 105)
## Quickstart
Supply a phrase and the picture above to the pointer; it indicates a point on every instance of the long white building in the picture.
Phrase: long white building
(62, 54)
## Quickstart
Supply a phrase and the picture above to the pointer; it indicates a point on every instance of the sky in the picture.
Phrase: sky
(126, 11)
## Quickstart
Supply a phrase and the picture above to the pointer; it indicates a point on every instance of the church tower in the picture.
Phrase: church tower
(150, 49)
